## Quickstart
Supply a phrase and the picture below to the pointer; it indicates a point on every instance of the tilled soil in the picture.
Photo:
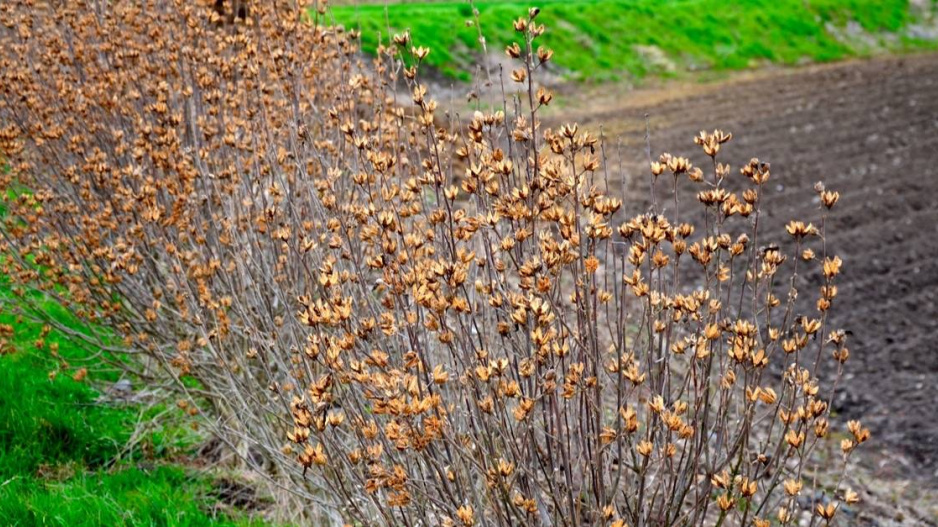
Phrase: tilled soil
(868, 129)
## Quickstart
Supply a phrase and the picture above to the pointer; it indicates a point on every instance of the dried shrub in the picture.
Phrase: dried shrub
(405, 319)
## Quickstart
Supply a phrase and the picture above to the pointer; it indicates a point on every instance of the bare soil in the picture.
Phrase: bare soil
(868, 129)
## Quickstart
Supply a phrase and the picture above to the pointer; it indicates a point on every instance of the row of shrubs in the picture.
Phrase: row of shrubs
(398, 318)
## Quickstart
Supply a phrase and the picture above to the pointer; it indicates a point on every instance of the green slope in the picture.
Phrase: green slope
(606, 39)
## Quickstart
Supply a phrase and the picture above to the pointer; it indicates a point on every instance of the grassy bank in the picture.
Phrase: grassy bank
(71, 457)
(607, 39)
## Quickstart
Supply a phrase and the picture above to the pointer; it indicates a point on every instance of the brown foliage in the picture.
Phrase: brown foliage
(409, 322)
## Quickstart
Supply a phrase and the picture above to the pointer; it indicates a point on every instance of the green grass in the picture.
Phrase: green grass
(164, 495)
(63, 459)
(598, 39)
